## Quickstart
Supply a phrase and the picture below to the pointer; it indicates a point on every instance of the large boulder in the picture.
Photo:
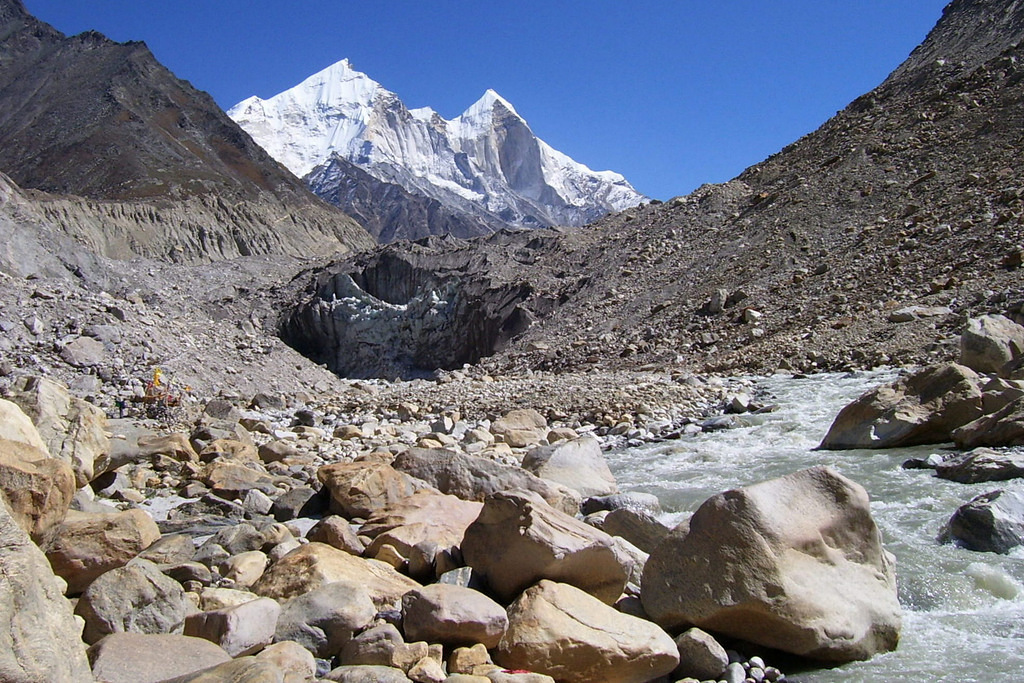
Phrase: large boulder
(991, 343)
(991, 522)
(38, 488)
(1005, 427)
(151, 658)
(922, 408)
(39, 638)
(240, 630)
(136, 598)
(452, 615)
(794, 563)
(559, 630)
(326, 618)
(89, 544)
(578, 464)
(240, 670)
(74, 430)
(315, 564)
(360, 488)
(420, 526)
(521, 427)
(518, 539)
(981, 464)
(639, 528)
(473, 478)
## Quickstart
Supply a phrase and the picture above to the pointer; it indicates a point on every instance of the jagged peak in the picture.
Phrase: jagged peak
(485, 105)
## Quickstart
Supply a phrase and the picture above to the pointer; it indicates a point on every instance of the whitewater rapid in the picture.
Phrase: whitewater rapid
(963, 610)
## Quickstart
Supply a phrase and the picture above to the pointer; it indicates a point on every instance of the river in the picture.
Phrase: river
(963, 616)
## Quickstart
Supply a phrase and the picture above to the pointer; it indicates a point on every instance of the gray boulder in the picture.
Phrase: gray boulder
(151, 658)
(452, 615)
(473, 478)
(991, 343)
(981, 464)
(39, 638)
(700, 656)
(324, 619)
(794, 563)
(135, 598)
(577, 464)
(639, 528)
(922, 408)
(991, 522)
(240, 630)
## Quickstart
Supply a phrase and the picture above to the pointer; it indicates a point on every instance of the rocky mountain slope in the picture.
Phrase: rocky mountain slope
(867, 242)
(485, 165)
(87, 117)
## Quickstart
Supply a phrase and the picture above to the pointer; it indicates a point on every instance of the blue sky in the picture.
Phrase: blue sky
(671, 94)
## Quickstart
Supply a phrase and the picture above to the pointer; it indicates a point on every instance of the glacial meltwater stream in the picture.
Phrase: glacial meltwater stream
(963, 616)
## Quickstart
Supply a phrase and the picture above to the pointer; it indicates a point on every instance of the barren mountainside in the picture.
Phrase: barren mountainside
(910, 197)
(88, 117)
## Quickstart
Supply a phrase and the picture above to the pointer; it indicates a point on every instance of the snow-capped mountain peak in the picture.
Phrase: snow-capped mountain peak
(485, 162)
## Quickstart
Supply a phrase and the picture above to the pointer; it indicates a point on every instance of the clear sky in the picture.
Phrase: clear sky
(670, 93)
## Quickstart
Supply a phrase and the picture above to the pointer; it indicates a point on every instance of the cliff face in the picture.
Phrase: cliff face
(89, 117)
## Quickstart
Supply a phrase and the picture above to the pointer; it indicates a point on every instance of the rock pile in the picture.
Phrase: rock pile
(977, 403)
(274, 543)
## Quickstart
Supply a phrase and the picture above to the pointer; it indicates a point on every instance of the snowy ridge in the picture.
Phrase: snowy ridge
(485, 162)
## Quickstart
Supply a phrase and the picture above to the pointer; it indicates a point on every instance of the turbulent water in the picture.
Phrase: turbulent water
(963, 614)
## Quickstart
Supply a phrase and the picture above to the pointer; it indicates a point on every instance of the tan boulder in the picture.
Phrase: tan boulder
(89, 544)
(229, 449)
(521, 428)
(922, 408)
(335, 531)
(233, 480)
(559, 630)
(151, 657)
(991, 343)
(518, 539)
(794, 563)
(1005, 427)
(39, 638)
(426, 519)
(452, 615)
(295, 662)
(316, 564)
(74, 430)
(16, 426)
(175, 446)
(474, 478)
(38, 488)
(240, 670)
(360, 488)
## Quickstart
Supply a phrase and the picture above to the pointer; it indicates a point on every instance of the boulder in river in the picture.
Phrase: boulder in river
(1005, 427)
(991, 522)
(981, 464)
(922, 408)
(795, 563)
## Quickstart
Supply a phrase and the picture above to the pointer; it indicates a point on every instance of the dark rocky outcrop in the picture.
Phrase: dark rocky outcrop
(388, 211)
(165, 172)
